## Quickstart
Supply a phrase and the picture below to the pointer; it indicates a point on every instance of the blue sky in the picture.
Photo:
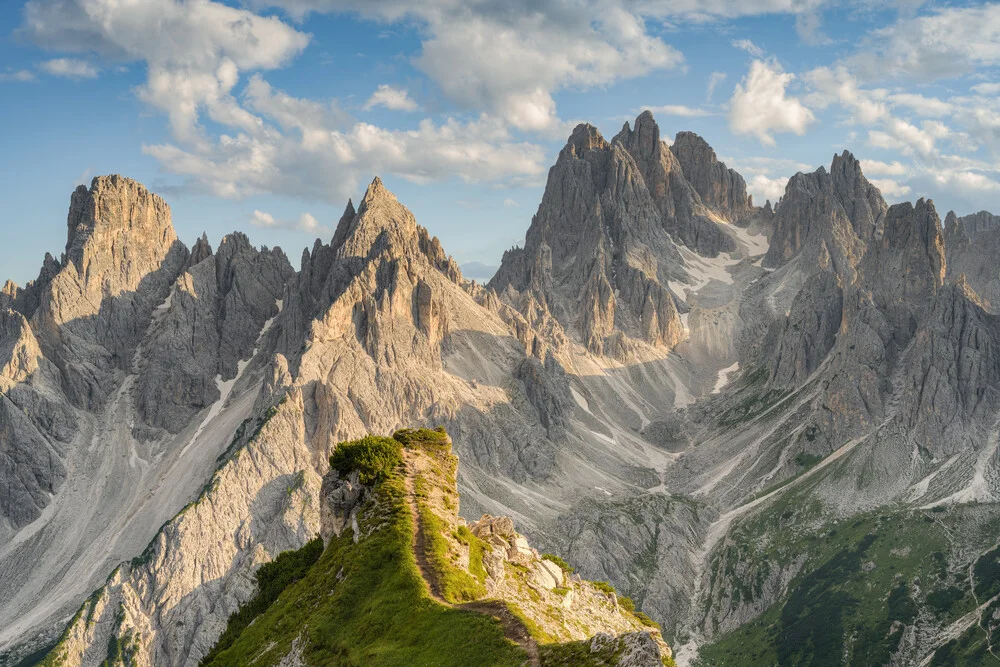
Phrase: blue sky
(265, 115)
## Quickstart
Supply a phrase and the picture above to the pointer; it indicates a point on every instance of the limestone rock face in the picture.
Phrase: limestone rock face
(827, 218)
(122, 255)
(972, 244)
(953, 383)
(19, 351)
(721, 188)
(683, 212)
(597, 255)
(809, 331)
(208, 324)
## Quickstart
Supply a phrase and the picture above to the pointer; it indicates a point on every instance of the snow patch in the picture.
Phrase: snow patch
(226, 386)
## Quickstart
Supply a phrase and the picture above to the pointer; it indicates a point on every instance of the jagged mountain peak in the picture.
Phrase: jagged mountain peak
(116, 210)
(585, 137)
(380, 221)
(201, 251)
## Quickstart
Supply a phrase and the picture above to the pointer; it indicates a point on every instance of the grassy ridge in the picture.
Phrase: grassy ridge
(366, 604)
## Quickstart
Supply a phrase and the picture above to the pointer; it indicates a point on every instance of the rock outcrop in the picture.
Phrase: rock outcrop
(208, 324)
(720, 188)
(597, 255)
(122, 255)
(972, 244)
(827, 218)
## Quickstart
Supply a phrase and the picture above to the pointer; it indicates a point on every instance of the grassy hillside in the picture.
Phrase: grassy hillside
(865, 591)
(367, 604)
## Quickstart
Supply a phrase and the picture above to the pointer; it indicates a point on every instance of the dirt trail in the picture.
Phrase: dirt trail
(513, 628)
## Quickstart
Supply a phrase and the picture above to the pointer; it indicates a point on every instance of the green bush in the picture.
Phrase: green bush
(604, 587)
(374, 457)
(422, 437)
(942, 600)
(646, 620)
(628, 603)
(566, 567)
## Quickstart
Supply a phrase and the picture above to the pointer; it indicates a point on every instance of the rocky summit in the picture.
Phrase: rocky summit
(760, 434)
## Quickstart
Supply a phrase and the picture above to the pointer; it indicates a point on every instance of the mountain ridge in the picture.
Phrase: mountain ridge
(636, 387)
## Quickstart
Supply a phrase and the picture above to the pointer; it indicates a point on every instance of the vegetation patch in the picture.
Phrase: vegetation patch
(373, 457)
(566, 567)
(455, 584)
(366, 604)
(853, 597)
(272, 579)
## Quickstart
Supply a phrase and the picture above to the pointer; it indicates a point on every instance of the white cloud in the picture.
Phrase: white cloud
(890, 189)
(761, 106)
(945, 43)
(877, 168)
(764, 188)
(391, 98)
(509, 58)
(20, 75)
(678, 110)
(930, 107)
(302, 148)
(714, 79)
(838, 86)
(749, 47)
(510, 203)
(70, 68)
(194, 50)
(986, 88)
(909, 139)
(305, 223)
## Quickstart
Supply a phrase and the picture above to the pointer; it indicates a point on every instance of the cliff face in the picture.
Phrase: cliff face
(972, 243)
(603, 245)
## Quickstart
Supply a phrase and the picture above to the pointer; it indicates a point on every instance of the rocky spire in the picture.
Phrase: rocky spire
(972, 245)
(202, 250)
(122, 255)
(683, 213)
(828, 217)
(719, 187)
(380, 224)
(862, 201)
(582, 254)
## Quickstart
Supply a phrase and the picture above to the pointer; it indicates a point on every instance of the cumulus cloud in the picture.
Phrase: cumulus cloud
(392, 98)
(877, 168)
(510, 203)
(944, 43)
(838, 86)
(986, 88)
(930, 107)
(765, 188)
(305, 223)
(891, 189)
(194, 51)
(760, 105)
(70, 68)
(303, 148)
(509, 58)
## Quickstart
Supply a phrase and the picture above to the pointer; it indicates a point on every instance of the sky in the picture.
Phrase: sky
(265, 116)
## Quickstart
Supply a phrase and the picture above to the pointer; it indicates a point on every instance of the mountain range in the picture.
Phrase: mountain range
(775, 428)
